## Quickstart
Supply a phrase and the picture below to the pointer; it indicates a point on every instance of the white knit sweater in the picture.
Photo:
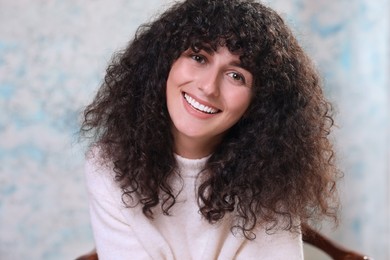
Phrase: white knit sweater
(125, 233)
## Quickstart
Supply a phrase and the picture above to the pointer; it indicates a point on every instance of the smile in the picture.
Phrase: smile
(200, 107)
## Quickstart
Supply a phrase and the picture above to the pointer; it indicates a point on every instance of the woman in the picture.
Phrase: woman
(210, 139)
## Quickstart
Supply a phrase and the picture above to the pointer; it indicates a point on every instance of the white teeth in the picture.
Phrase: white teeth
(199, 106)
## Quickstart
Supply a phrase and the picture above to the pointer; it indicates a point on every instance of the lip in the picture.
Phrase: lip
(195, 112)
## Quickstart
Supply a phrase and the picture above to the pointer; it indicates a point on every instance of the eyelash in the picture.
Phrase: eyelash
(201, 59)
(198, 58)
(237, 76)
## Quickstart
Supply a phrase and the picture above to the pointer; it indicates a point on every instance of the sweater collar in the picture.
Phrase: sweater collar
(190, 167)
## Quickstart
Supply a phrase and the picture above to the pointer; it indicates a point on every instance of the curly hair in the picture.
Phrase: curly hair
(274, 166)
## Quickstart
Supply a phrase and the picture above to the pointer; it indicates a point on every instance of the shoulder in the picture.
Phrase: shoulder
(99, 173)
(280, 244)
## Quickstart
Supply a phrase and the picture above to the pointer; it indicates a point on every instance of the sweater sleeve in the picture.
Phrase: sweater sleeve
(114, 237)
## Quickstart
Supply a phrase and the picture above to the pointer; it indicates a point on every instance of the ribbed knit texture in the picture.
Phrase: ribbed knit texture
(125, 233)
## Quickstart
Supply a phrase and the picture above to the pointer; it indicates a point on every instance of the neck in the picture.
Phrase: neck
(195, 148)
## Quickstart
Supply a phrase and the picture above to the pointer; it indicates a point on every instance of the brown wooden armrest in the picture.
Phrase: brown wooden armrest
(331, 248)
(90, 256)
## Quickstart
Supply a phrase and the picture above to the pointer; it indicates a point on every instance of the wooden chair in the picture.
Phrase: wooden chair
(310, 236)
(331, 248)
(90, 256)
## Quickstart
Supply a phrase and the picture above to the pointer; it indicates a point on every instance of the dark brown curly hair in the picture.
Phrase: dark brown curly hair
(273, 167)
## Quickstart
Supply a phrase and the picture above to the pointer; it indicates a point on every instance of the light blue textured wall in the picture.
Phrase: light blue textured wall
(52, 58)
(350, 42)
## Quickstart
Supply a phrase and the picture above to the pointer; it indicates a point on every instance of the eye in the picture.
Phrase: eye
(237, 77)
(198, 58)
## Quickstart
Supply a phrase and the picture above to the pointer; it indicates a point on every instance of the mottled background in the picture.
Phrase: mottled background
(53, 54)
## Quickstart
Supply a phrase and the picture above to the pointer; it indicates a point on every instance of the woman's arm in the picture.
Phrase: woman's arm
(113, 235)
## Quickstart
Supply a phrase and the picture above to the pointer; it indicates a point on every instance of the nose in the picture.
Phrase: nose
(210, 84)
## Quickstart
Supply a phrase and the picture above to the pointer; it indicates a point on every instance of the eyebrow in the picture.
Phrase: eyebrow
(211, 51)
(237, 64)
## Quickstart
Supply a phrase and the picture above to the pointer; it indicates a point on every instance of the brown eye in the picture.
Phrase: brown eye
(198, 58)
(237, 77)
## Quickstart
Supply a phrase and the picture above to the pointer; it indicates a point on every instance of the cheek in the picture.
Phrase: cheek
(171, 76)
(240, 100)
(178, 72)
(170, 80)
(173, 83)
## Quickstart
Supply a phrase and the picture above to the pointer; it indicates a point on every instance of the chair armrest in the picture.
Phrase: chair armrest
(90, 256)
(331, 248)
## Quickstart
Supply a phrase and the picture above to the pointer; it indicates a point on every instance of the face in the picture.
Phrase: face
(207, 93)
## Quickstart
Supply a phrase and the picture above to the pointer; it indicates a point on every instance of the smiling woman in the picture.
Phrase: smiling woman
(210, 130)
